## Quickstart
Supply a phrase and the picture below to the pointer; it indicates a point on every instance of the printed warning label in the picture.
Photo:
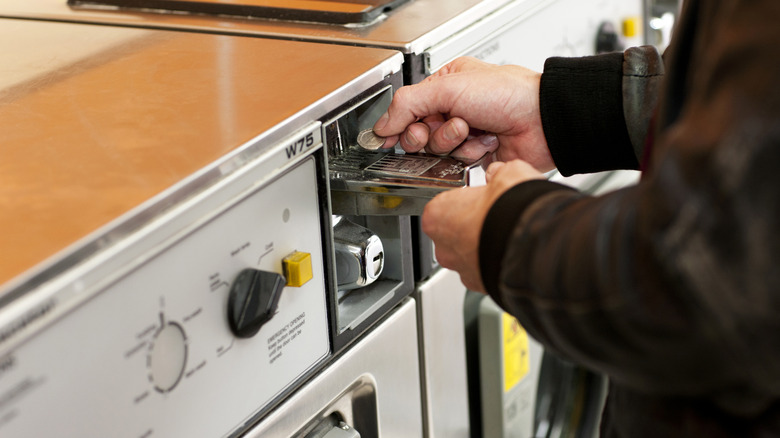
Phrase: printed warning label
(284, 337)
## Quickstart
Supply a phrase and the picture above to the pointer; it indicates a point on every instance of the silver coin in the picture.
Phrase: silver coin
(368, 140)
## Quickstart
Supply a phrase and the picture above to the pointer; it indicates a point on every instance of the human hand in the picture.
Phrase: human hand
(469, 108)
(453, 219)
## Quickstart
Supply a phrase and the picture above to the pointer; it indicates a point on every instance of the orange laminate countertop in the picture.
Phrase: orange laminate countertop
(95, 120)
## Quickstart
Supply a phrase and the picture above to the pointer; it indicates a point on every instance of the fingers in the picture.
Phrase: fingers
(449, 135)
(492, 169)
(460, 64)
(503, 175)
(477, 147)
(390, 141)
(453, 220)
(415, 137)
(426, 103)
(433, 134)
(436, 114)
(410, 104)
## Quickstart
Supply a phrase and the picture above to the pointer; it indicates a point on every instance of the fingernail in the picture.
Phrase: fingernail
(451, 132)
(382, 122)
(411, 140)
(489, 140)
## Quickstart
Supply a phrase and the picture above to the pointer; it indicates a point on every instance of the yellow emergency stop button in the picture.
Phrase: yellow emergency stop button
(631, 27)
(297, 268)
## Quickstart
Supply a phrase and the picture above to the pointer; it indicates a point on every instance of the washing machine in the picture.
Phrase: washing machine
(172, 264)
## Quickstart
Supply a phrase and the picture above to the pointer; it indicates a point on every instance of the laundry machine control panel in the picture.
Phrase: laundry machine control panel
(199, 333)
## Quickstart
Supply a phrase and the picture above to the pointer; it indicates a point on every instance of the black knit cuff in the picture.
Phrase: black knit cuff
(499, 225)
(581, 105)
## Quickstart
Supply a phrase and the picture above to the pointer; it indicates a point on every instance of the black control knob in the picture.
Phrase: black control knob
(252, 300)
(607, 39)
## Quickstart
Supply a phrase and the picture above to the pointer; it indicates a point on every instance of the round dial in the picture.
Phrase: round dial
(167, 356)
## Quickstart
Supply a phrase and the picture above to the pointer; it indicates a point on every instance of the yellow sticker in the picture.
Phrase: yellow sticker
(387, 202)
(516, 360)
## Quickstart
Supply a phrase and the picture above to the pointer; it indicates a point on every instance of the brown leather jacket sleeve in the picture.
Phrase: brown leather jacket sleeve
(671, 286)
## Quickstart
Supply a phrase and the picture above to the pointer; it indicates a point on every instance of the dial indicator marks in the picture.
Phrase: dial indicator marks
(167, 356)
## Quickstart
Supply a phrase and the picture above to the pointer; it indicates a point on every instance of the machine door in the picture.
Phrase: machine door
(517, 389)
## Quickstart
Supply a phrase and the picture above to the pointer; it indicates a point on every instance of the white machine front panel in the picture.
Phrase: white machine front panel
(373, 386)
(559, 28)
(565, 28)
(153, 355)
(444, 350)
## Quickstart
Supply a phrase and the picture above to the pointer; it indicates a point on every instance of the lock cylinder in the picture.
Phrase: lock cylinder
(359, 254)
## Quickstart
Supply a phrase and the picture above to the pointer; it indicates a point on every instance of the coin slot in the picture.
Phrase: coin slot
(357, 303)
(363, 292)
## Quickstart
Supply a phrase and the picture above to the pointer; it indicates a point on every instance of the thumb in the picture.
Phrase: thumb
(493, 169)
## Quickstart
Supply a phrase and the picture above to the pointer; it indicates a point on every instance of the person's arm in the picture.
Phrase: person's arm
(466, 96)
(592, 113)
(670, 286)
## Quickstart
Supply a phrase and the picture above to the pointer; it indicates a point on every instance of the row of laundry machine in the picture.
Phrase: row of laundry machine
(196, 246)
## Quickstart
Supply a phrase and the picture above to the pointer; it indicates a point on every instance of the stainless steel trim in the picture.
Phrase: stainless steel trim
(443, 355)
(411, 28)
(381, 183)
